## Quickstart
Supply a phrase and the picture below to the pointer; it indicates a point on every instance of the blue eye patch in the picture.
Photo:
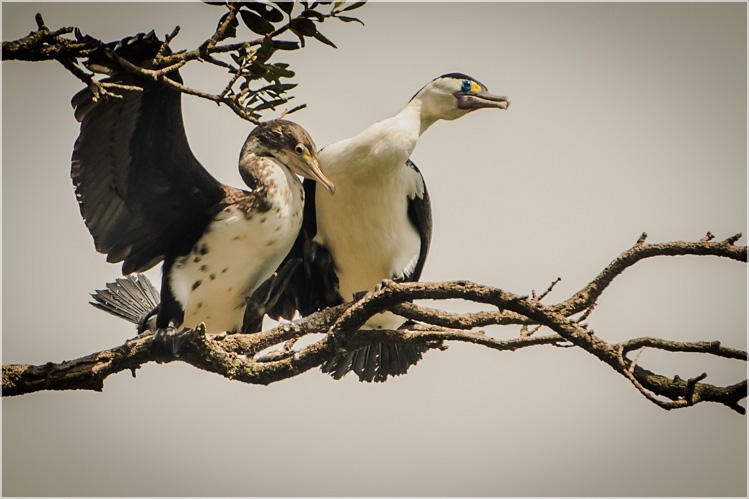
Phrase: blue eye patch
(466, 87)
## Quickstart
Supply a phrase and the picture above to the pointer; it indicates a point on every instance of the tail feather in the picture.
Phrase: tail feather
(375, 362)
(132, 298)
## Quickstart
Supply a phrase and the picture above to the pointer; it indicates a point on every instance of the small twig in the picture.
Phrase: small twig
(586, 313)
(97, 88)
(732, 240)
(167, 40)
(668, 405)
(221, 30)
(633, 363)
(691, 384)
(526, 333)
(540, 297)
(231, 83)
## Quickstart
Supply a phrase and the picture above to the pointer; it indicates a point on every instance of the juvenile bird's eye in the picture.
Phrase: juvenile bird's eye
(466, 87)
(299, 149)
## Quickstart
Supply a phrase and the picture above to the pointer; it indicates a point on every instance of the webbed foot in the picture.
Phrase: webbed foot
(169, 343)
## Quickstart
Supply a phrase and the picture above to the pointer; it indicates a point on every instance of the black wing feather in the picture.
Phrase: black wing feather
(420, 214)
(141, 191)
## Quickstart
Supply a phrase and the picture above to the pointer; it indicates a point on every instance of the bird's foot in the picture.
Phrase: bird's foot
(169, 343)
(384, 284)
(359, 295)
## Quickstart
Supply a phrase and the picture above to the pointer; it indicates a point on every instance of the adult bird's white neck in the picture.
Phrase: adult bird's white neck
(419, 110)
(380, 149)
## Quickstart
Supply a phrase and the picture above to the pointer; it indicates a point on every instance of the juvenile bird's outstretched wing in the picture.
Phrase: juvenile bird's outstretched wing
(137, 182)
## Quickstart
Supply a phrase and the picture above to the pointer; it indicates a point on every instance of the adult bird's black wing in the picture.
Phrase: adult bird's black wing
(420, 214)
(140, 188)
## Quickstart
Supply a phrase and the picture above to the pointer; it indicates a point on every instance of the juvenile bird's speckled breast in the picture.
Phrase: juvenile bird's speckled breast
(240, 249)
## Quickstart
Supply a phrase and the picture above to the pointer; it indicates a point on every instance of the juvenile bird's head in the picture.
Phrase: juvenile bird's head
(454, 95)
(290, 145)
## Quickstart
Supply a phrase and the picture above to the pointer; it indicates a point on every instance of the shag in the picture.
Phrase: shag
(145, 198)
(379, 224)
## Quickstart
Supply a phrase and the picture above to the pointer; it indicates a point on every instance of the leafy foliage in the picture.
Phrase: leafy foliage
(260, 85)
(256, 82)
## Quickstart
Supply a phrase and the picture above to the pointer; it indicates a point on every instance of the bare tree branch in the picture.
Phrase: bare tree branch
(240, 356)
(587, 296)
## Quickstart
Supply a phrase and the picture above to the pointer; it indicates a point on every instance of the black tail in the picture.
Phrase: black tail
(375, 362)
(132, 297)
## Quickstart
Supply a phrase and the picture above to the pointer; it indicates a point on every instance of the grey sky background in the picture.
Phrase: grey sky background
(625, 118)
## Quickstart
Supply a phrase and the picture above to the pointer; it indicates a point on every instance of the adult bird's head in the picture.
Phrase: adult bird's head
(454, 95)
(290, 145)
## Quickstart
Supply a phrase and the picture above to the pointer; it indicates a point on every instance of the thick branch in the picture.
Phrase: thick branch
(238, 356)
(85, 373)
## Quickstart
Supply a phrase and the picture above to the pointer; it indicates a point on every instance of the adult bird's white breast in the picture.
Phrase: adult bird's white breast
(367, 220)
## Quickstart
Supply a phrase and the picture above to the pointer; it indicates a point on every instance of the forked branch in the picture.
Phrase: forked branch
(241, 357)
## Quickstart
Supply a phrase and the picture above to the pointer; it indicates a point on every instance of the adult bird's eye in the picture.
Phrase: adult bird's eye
(299, 149)
(466, 87)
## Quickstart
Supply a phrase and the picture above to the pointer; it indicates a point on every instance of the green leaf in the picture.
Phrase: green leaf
(297, 108)
(252, 99)
(280, 71)
(257, 69)
(298, 34)
(323, 39)
(285, 45)
(256, 23)
(270, 104)
(353, 6)
(313, 13)
(278, 87)
(287, 7)
(303, 26)
(267, 11)
(350, 19)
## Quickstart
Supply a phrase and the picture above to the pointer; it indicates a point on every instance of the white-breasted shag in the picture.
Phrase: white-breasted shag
(145, 198)
(378, 225)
